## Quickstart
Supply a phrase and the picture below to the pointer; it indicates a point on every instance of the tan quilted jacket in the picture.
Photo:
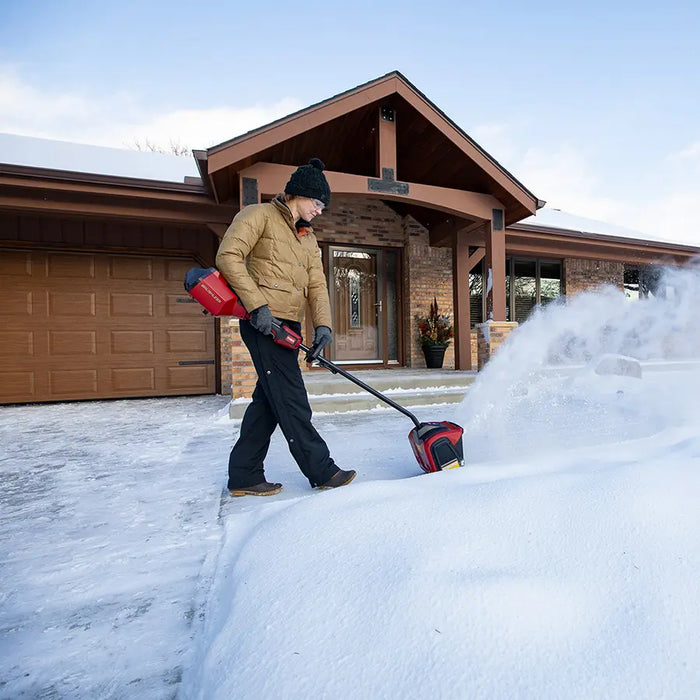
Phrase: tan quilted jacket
(266, 262)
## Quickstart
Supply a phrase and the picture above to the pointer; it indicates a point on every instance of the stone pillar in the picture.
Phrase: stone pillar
(490, 336)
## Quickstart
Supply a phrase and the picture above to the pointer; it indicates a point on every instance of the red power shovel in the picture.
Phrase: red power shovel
(436, 445)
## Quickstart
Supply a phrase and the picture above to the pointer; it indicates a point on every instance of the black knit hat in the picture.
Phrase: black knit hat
(309, 181)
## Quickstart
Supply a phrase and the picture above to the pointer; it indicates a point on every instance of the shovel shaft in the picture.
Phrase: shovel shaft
(338, 370)
(288, 338)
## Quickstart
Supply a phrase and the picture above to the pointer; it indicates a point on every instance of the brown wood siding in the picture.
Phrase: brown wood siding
(97, 325)
(108, 235)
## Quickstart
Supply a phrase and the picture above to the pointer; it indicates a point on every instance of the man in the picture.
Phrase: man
(275, 268)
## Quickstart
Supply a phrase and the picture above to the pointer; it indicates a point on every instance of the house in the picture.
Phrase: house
(95, 242)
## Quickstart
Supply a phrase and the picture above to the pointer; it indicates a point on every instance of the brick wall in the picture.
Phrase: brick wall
(586, 275)
(359, 221)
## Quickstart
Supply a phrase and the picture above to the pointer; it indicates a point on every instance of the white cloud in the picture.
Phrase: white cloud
(119, 121)
(690, 152)
(201, 128)
(565, 179)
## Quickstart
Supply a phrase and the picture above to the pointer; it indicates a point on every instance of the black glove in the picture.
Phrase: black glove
(322, 336)
(261, 319)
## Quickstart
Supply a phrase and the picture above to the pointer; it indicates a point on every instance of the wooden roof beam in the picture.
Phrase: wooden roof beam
(386, 150)
(271, 178)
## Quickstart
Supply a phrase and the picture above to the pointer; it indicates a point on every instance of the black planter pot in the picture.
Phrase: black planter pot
(434, 356)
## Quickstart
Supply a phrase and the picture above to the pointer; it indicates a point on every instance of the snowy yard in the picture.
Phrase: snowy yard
(562, 562)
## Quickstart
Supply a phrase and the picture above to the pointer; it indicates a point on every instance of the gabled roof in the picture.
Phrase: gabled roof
(342, 130)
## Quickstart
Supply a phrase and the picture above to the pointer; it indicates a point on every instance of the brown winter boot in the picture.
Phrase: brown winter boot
(340, 478)
(263, 489)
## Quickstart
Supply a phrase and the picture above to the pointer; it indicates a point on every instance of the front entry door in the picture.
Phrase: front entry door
(364, 301)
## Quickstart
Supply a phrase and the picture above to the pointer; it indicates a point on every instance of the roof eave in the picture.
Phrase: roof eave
(101, 179)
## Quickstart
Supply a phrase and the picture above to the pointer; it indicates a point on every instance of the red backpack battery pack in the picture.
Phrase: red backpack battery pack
(211, 290)
(437, 446)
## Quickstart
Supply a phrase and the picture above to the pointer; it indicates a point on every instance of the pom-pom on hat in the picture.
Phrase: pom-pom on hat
(309, 181)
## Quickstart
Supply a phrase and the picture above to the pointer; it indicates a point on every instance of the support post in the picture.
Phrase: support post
(462, 313)
(496, 267)
(386, 151)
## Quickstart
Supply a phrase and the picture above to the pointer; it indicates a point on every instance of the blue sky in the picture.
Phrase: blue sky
(594, 106)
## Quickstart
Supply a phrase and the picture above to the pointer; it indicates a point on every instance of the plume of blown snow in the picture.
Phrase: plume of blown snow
(545, 389)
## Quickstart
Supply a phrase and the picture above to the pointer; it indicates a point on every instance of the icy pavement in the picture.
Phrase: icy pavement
(107, 512)
(109, 533)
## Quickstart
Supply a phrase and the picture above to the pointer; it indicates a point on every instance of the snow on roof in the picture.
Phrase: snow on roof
(556, 218)
(100, 160)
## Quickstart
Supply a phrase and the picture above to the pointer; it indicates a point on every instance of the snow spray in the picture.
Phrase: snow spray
(594, 368)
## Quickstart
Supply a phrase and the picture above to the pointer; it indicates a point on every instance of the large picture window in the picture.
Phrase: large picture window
(529, 282)
(644, 281)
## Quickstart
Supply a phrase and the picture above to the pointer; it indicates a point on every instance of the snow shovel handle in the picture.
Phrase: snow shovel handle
(337, 370)
(288, 338)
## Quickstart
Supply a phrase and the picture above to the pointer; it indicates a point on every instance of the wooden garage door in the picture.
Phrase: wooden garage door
(88, 326)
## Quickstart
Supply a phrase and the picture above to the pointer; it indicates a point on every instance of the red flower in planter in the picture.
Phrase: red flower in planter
(435, 328)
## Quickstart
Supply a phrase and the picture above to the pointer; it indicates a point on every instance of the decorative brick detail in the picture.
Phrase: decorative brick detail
(582, 275)
(490, 337)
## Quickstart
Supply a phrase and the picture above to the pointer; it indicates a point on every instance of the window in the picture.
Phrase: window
(529, 283)
(644, 281)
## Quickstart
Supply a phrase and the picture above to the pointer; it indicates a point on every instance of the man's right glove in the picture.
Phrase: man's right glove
(322, 336)
(261, 319)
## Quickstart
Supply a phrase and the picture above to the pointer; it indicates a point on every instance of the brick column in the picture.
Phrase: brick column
(237, 371)
(490, 336)
(427, 275)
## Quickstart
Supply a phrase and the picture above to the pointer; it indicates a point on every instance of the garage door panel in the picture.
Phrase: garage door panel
(72, 383)
(69, 266)
(18, 386)
(20, 265)
(175, 270)
(182, 305)
(118, 333)
(72, 304)
(14, 343)
(130, 342)
(18, 302)
(126, 268)
(188, 377)
(134, 379)
(82, 343)
(130, 304)
(187, 341)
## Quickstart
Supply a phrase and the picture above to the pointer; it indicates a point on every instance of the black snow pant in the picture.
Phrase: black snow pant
(279, 398)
